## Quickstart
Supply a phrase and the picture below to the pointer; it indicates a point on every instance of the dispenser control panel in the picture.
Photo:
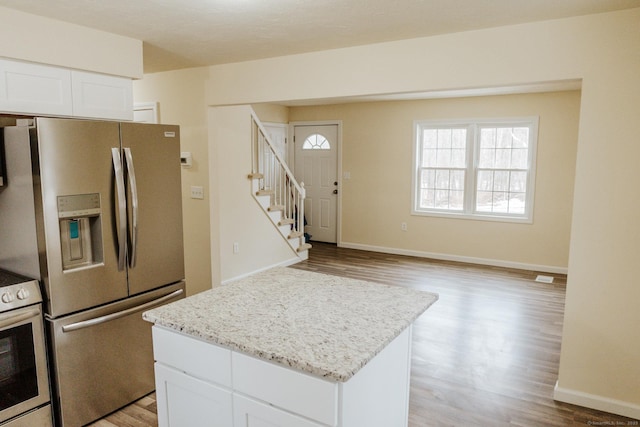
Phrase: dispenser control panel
(78, 205)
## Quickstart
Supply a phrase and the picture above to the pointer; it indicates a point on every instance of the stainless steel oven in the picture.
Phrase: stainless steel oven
(24, 380)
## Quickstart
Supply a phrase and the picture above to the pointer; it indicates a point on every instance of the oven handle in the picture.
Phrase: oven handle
(117, 315)
(15, 319)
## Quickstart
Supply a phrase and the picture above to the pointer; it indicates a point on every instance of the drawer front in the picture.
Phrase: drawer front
(197, 358)
(291, 390)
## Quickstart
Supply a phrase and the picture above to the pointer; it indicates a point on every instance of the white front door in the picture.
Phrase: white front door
(316, 165)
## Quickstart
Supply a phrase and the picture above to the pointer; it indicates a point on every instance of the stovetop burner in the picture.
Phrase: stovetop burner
(17, 291)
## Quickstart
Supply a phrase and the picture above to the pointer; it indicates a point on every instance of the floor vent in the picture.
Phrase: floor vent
(544, 279)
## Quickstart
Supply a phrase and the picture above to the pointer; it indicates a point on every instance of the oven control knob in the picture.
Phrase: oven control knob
(22, 294)
(7, 297)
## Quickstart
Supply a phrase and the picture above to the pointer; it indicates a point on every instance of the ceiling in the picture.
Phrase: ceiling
(188, 33)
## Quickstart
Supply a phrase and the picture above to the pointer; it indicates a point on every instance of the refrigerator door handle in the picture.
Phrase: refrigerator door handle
(119, 314)
(134, 205)
(122, 207)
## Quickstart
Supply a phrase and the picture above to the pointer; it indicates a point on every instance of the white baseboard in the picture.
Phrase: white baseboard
(457, 258)
(286, 263)
(600, 403)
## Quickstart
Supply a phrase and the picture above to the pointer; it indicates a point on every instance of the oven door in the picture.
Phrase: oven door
(24, 383)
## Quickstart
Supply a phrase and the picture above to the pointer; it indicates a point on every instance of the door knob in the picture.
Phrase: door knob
(335, 191)
(335, 183)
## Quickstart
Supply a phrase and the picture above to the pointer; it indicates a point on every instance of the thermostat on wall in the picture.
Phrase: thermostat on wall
(185, 159)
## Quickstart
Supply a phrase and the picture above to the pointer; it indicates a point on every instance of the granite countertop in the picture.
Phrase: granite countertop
(324, 325)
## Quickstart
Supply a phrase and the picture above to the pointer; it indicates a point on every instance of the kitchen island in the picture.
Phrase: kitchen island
(287, 347)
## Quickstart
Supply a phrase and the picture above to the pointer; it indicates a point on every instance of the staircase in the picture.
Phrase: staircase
(276, 190)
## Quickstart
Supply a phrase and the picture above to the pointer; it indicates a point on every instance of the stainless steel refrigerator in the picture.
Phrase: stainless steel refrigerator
(105, 227)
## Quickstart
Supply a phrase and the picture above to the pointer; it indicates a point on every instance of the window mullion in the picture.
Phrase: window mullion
(472, 162)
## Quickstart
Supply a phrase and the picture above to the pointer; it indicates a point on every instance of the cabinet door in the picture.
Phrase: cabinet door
(100, 96)
(250, 413)
(34, 89)
(184, 401)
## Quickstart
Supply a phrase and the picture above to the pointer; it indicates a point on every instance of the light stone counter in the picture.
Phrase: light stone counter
(324, 325)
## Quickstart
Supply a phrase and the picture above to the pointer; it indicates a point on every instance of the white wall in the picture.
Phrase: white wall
(599, 361)
(236, 217)
(33, 38)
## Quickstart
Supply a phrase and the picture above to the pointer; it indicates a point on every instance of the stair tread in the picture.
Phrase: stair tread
(274, 208)
(256, 176)
(304, 247)
(264, 192)
(286, 221)
(295, 234)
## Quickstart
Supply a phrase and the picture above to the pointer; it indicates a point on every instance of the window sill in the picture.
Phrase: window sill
(476, 217)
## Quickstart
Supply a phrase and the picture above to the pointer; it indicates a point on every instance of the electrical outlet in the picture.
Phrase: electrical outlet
(236, 247)
(403, 226)
(197, 192)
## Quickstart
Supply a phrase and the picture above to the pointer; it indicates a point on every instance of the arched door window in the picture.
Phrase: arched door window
(316, 142)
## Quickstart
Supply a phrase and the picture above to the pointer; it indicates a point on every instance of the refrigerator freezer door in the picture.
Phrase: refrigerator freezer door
(152, 154)
(103, 358)
(77, 182)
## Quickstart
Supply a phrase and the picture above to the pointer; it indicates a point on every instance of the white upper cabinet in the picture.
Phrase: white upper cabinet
(101, 96)
(35, 89)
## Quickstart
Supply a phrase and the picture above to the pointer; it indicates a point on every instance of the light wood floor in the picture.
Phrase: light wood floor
(485, 354)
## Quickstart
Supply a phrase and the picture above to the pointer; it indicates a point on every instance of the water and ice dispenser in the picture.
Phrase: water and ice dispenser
(80, 230)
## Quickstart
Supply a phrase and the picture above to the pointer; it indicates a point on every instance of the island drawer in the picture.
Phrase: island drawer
(192, 356)
(289, 389)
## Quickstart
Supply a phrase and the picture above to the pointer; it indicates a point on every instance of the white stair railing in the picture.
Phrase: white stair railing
(276, 179)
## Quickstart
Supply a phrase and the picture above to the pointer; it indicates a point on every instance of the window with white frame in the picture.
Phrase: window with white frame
(482, 169)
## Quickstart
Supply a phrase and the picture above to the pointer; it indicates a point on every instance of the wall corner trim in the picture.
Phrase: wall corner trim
(601, 403)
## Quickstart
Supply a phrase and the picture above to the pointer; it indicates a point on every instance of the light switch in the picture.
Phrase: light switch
(197, 192)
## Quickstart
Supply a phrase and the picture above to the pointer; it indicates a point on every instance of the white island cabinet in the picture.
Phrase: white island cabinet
(202, 384)
(286, 348)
